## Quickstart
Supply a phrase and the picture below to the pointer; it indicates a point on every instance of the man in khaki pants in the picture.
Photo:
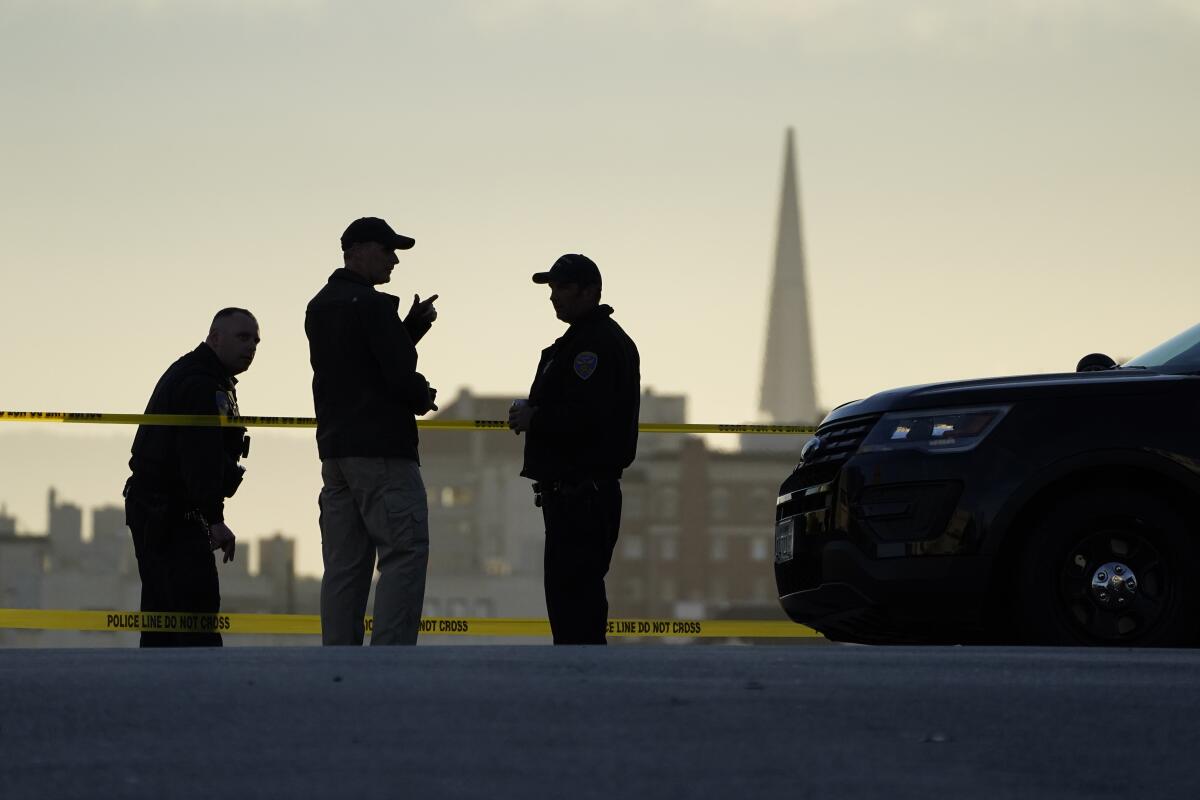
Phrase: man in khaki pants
(367, 393)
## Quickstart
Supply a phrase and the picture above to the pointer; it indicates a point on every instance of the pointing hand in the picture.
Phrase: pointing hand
(423, 310)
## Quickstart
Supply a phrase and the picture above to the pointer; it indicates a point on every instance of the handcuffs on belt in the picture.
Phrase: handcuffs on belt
(195, 514)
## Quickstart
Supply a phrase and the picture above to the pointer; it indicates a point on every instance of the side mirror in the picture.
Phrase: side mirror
(1095, 362)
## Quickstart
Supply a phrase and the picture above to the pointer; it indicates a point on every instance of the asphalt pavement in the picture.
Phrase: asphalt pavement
(618, 722)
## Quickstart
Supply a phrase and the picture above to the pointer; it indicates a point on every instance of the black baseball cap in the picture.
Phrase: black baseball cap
(571, 268)
(373, 229)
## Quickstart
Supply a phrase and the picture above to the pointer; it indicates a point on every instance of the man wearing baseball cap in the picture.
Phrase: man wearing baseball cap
(581, 426)
(368, 393)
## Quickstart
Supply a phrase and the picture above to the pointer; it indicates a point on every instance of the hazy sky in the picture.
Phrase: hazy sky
(988, 187)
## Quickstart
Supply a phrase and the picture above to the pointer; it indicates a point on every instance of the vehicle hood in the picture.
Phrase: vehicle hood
(1011, 389)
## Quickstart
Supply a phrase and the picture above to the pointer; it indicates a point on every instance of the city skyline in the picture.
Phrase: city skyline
(695, 543)
(276, 498)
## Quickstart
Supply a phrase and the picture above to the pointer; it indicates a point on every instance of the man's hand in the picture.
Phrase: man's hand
(220, 537)
(430, 405)
(519, 415)
(422, 310)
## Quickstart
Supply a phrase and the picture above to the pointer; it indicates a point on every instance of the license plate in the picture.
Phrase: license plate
(785, 534)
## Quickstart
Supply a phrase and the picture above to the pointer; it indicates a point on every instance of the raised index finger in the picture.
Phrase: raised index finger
(428, 301)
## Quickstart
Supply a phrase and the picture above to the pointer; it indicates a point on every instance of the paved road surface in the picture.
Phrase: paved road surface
(632, 721)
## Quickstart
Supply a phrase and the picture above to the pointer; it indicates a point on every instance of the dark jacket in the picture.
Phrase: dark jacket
(587, 391)
(195, 468)
(366, 388)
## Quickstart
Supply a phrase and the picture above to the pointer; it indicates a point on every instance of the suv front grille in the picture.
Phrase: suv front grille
(809, 487)
(839, 441)
(804, 513)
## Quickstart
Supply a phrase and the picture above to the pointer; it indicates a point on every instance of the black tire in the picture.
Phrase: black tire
(1066, 596)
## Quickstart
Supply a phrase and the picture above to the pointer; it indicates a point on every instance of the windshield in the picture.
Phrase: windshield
(1178, 354)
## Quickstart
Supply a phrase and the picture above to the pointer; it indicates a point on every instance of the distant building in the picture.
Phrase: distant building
(789, 392)
(482, 519)
(22, 565)
(63, 570)
(65, 530)
(697, 533)
(110, 542)
(277, 566)
(8, 523)
(481, 515)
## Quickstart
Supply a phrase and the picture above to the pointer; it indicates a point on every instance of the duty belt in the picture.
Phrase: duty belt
(546, 488)
(174, 509)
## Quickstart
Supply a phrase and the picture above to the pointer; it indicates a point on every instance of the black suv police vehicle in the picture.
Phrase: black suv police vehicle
(1050, 509)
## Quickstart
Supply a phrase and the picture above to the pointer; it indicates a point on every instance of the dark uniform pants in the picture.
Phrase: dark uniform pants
(582, 522)
(177, 567)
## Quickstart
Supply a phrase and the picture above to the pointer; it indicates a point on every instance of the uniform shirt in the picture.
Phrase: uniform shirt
(195, 467)
(587, 391)
(365, 380)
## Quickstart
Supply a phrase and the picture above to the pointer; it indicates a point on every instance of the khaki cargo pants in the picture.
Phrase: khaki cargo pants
(370, 507)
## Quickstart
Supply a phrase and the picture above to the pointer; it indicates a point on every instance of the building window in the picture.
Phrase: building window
(718, 548)
(668, 548)
(484, 607)
(758, 549)
(668, 503)
(760, 507)
(631, 505)
(719, 503)
(494, 565)
(456, 496)
(633, 591)
(718, 590)
(633, 548)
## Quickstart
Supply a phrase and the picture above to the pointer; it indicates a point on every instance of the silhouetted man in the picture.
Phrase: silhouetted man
(175, 498)
(367, 394)
(581, 425)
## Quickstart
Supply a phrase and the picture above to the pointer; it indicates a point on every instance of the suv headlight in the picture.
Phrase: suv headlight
(952, 430)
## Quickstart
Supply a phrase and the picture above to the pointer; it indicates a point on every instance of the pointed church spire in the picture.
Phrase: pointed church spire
(788, 384)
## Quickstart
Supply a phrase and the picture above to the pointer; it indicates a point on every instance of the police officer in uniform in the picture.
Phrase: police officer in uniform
(174, 500)
(581, 426)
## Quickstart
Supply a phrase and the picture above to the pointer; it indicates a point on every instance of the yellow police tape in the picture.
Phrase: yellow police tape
(213, 420)
(310, 625)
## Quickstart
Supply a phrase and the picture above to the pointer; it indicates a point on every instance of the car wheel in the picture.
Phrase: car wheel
(1109, 568)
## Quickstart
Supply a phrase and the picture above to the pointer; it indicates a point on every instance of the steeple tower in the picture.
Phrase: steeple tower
(788, 385)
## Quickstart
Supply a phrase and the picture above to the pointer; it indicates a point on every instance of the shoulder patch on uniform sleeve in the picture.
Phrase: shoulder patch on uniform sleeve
(585, 364)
